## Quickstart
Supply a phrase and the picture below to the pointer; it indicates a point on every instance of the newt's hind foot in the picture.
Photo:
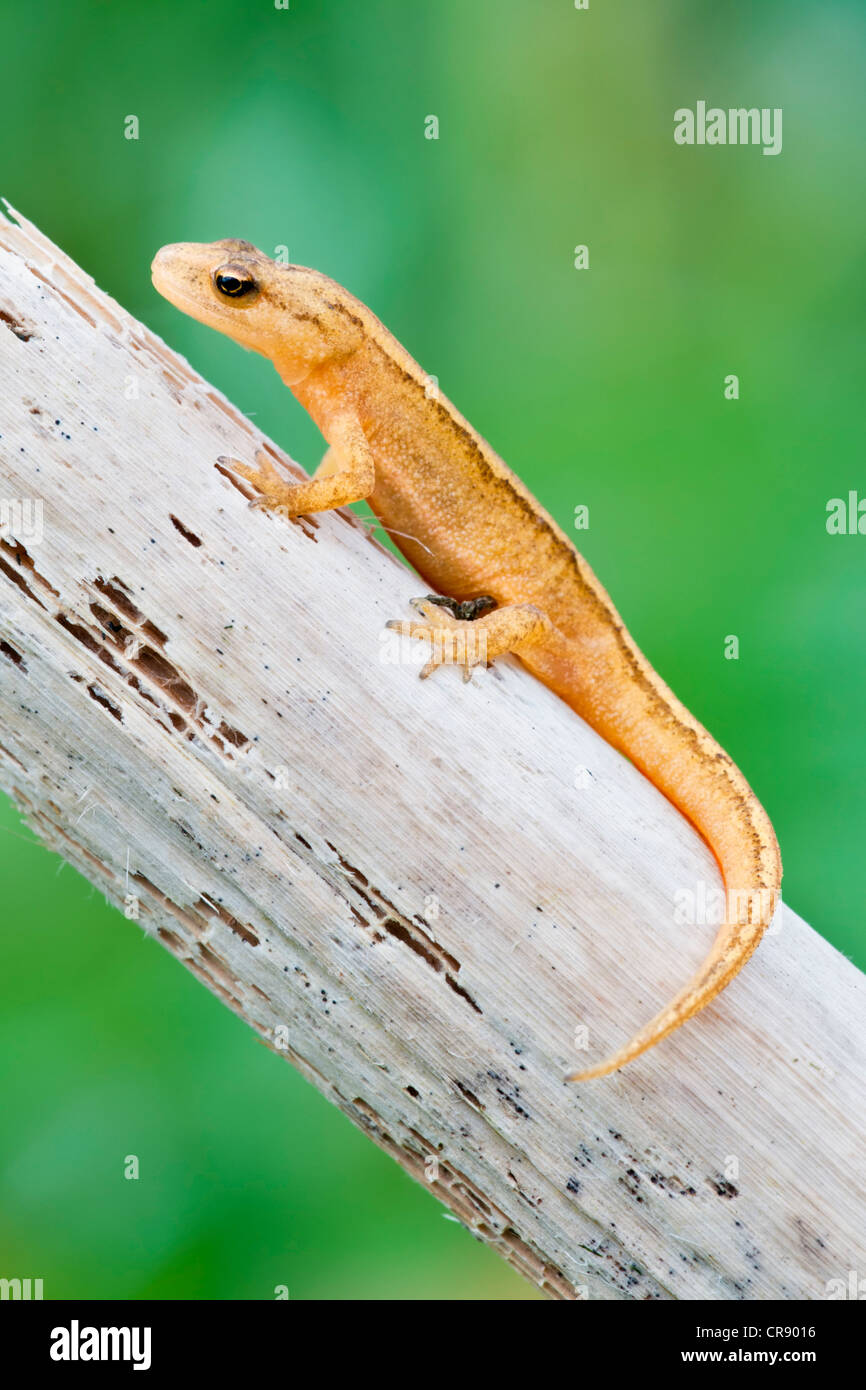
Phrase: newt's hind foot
(457, 639)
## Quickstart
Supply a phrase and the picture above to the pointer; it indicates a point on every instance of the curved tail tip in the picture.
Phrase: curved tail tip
(603, 1069)
(638, 1044)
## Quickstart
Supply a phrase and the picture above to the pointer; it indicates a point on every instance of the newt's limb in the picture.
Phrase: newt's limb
(471, 642)
(328, 464)
(346, 474)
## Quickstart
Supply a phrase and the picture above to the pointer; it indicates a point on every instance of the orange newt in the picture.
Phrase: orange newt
(474, 532)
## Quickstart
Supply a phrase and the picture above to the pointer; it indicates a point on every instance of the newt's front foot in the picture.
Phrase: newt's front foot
(471, 641)
(349, 476)
(275, 493)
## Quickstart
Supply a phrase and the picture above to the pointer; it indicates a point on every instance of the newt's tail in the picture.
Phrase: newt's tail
(751, 896)
(731, 949)
(670, 747)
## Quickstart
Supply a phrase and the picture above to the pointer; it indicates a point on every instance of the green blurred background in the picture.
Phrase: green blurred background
(305, 128)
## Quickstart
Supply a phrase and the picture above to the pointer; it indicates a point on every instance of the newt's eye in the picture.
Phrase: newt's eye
(234, 282)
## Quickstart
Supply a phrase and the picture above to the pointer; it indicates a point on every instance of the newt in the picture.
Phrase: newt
(475, 534)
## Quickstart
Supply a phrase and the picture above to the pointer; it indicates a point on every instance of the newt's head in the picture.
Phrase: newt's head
(293, 315)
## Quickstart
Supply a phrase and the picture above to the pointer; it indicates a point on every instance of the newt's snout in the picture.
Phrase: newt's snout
(170, 267)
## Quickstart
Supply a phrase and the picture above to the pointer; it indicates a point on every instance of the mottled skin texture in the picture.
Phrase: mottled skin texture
(470, 528)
